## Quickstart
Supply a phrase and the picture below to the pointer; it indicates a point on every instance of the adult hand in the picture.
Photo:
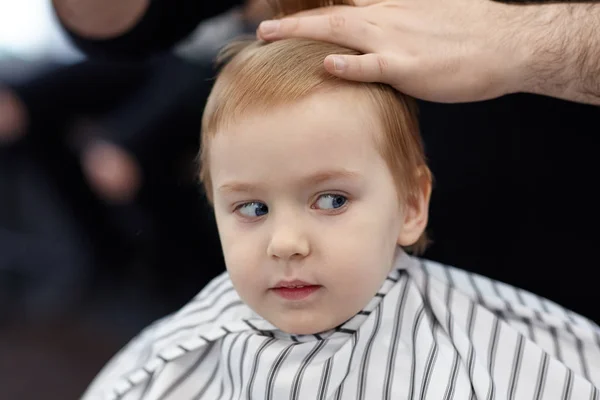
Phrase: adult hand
(454, 50)
(438, 50)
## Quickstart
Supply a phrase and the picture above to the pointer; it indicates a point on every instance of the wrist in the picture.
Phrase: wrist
(542, 48)
(516, 42)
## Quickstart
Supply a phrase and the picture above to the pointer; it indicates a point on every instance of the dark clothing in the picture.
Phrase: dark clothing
(165, 23)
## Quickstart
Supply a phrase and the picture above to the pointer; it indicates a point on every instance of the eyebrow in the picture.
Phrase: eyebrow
(313, 179)
(330, 175)
(234, 187)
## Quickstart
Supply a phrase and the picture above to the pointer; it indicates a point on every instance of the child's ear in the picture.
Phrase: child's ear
(416, 210)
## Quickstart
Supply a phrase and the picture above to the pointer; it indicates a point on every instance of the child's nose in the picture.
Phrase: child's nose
(288, 241)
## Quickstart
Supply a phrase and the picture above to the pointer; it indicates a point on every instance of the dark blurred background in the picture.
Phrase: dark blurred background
(103, 227)
(83, 268)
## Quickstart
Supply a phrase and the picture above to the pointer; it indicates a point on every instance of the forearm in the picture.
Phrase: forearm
(562, 43)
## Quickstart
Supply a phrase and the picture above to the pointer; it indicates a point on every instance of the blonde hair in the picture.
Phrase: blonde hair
(258, 76)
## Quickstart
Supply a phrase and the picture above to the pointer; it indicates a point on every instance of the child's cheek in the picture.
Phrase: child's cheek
(243, 260)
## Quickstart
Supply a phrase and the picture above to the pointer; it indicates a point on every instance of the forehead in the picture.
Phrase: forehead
(331, 129)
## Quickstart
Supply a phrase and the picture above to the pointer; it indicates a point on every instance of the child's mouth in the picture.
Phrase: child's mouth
(297, 292)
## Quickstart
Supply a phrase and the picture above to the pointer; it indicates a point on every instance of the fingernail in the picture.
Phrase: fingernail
(339, 63)
(268, 27)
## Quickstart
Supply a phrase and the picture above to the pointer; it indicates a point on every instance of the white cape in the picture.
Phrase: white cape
(432, 332)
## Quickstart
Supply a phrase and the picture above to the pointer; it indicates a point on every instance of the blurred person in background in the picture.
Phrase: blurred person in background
(102, 225)
(124, 124)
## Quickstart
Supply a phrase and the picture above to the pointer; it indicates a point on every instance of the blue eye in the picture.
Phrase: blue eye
(331, 201)
(253, 209)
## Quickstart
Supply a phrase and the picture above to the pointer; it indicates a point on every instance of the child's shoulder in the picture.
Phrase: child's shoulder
(522, 310)
(496, 295)
(185, 331)
(217, 304)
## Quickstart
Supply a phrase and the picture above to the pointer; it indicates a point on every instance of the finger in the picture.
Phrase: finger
(344, 27)
(263, 30)
(365, 3)
(317, 11)
(364, 68)
(326, 10)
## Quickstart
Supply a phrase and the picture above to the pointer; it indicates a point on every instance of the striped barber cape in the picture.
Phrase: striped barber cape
(432, 332)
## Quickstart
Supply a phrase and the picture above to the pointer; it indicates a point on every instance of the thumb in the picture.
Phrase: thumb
(363, 68)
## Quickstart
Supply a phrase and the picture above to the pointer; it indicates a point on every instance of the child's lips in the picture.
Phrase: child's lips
(296, 293)
(295, 283)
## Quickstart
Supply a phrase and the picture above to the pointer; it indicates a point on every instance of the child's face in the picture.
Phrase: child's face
(303, 194)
